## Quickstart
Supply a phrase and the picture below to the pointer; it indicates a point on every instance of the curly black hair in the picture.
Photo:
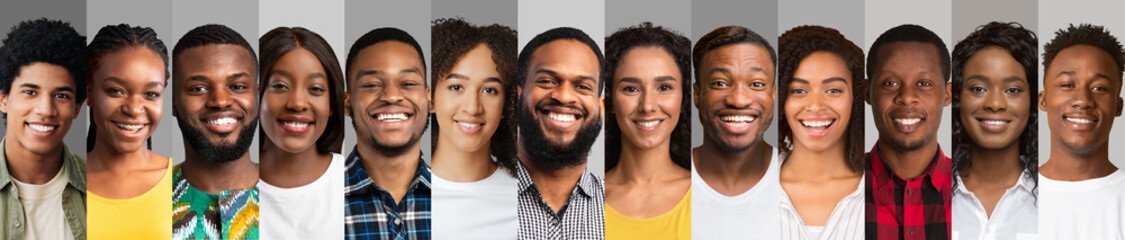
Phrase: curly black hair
(647, 35)
(282, 40)
(452, 39)
(113, 38)
(907, 33)
(43, 41)
(727, 35)
(1084, 34)
(211, 34)
(559, 33)
(1021, 43)
(793, 47)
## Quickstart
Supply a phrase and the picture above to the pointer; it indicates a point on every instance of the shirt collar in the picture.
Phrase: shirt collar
(939, 172)
(586, 184)
(75, 168)
(359, 182)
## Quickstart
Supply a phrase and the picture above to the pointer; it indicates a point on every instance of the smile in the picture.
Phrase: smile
(907, 121)
(738, 118)
(1080, 120)
(41, 128)
(222, 121)
(391, 117)
(562, 117)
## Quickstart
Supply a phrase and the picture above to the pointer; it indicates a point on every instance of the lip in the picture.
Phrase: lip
(130, 129)
(647, 125)
(392, 117)
(222, 123)
(737, 122)
(816, 126)
(562, 118)
(993, 124)
(1080, 121)
(906, 120)
(469, 126)
(41, 129)
(296, 124)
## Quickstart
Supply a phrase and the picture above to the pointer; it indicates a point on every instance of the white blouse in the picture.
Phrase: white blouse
(1016, 215)
(845, 223)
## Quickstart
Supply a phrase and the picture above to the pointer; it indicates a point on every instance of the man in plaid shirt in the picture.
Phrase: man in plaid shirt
(387, 195)
(908, 177)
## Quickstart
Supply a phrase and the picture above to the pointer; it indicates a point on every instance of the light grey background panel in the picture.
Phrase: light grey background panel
(242, 16)
(536, 17)
(881, 15)
(72, 11)
(758, 16)
(478, 12)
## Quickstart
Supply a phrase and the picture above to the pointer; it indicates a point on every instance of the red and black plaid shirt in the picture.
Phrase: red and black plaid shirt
(916, 208)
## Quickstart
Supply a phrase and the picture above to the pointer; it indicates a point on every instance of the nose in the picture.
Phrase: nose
(994, 101)
(907, 95)
(220, 98)
(298, 101)
(648, 102)
(816, 103)
(134, 106)
(392, 94)
(740, 96)
(472, 106)
(566, 94)
(1083, 100)
(44, 106)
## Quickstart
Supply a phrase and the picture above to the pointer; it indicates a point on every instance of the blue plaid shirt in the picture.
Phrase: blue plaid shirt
(371, 212)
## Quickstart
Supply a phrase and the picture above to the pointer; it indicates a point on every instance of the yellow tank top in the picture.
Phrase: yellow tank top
(674, 224)
(148, 216)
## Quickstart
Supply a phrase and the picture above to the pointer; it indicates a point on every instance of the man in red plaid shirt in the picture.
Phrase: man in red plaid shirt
(908, 177)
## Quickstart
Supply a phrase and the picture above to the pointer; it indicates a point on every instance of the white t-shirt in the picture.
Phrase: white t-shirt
(750, 215)
(1087, 209)
(1016, 215)
(846, 222)
(312, 211)
(484, 209)
(42, 208)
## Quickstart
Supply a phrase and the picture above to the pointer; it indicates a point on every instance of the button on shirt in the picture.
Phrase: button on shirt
(581, 218)
(916, 208)
(371, 212)
(1015, 216)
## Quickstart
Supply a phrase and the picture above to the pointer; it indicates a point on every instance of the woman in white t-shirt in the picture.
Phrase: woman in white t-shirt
(820, 91)
(995, 155)
(301, 91)
(474, 159)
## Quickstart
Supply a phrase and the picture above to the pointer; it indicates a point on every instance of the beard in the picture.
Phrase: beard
(550, 155)
(222, 152)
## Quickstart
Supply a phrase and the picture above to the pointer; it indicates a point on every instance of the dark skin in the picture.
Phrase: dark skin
(42, 95)
(566, 71)
(210, 82)
(1081, 95)
(994, 91)
(735, 80)
(297, 92)
(125, 88)
(907, 95)
(388, 78)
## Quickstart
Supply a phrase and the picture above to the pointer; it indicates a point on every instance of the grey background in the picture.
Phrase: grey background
(536, 17)
(242, 16)
(671, 14)
(759, 16)
(972, 14)
(1055, 15)
(845, 16)
(410, 16)
(102, 13)
(323, 18)
(73, 11)
(881, 15)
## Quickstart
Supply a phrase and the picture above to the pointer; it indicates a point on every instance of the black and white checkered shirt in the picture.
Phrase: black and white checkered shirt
(583, 216)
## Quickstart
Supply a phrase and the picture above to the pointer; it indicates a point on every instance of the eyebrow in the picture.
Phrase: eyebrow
(28, 85)
(377, 73)
(122, 82)
(556, 75)
(1075, 73)
(825, 81)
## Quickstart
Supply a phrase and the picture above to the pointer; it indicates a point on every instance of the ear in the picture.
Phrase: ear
(867, 94)
(430, 97)
(948, 94)
(4, 102)
(348, 103)
(1043, 101)
(601, 105)
(1119, 102)
(695, 93)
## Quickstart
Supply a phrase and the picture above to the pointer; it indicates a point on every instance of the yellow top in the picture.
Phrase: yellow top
(674, 224)
(147, 216)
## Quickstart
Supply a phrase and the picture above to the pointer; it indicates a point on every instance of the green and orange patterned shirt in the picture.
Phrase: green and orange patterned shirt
(231, 214)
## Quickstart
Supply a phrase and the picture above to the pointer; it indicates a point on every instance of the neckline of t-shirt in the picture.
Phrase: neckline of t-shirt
(768, 179)
(321, 183)
(497, 178)
(51, 188)
(151, 191)
(1114, 179)
(685, 202)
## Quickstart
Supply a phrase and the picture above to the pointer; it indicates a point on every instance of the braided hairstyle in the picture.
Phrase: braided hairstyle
(113, 38)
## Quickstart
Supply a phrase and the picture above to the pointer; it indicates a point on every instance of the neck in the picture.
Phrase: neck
(555, 185)
(107, 157)
(805, 163)
(393, 173)
(908, 163)
(1068, 165)
(726, 165)
(31, 167)
(457, 165)
(291, 169)
(212, 177)
(645, 165)
(995, 165)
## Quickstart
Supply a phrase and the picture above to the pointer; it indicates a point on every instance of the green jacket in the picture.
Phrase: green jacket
(12, 220)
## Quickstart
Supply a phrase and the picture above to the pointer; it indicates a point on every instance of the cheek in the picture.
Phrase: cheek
(843, 107)
(493, 107)
(623, 104)
(154, 109)
(671, 105)
(322, 107)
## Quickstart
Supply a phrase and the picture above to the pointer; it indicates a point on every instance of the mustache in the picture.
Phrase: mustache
(551, 103)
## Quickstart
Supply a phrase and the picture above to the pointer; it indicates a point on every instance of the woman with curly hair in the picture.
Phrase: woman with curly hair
(474, 98)
(995, 153)
(820, 92)
(648, 159)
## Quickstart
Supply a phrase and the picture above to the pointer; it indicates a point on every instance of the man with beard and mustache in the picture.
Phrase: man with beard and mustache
(214, 100)
(908, 177)
(388, 183)
(735, 172)
(559, 119)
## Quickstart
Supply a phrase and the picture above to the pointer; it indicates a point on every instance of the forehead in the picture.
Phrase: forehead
(388, 54)
(215, 59)
(566, 57)
(741, 53)
(908, 57)
(44, 75)
(650, 58)
(1084, 58)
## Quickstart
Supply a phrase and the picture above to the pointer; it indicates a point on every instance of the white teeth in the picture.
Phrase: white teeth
(130, 127)
(295, 124)
(222, 121)
(738, 118)
(41, 128)
(822, 123)
(994, 122)
(907, 121)
(469, 125)
(561, 117)
(1079, 120)
(648, 124)
(391, 117)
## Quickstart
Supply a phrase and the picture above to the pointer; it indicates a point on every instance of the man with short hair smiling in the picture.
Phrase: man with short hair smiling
(735, 171)
(1082, 192)
(560, 116)
(43, 83)
(908, 178)
(387, 195)
(215, 102)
